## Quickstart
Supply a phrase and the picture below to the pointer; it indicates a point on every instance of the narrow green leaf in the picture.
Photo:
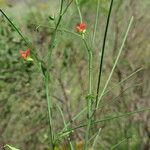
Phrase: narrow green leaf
(116, 61)
(109, 118)
(119, 143)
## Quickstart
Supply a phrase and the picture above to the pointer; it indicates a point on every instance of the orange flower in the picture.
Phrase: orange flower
(25, 54)
(81, 27)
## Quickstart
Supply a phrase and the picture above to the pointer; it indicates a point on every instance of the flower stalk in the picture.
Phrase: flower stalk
(89, 97)
(49, 105)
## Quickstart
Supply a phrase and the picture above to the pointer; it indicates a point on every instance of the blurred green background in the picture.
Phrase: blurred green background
(23, 109)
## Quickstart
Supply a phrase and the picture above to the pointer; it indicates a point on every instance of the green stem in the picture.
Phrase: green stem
(115, 63)
(67, 7)
(21, 35)
(102, 55)
(120, 142)
(60, 15)
(109, 118)
(73, 119)
(96, 139)
(89, 98)
(79, 11)
(96, 22)
(54, 33)
(60, 29)
(49, 104)
(47, 76)
(89, 67)
(66, 127)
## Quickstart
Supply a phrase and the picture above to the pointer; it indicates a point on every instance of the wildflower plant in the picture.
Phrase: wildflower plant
(92, 99)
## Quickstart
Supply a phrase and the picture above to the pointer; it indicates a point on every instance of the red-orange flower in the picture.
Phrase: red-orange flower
(25, 54)
(81, 27)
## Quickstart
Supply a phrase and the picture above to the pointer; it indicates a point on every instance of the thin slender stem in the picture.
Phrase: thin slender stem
(74, 118)
(67, 7)
(115, 63)
(120, 142)
(96, 21)
(54, 33)
(102, 55)
(46, 81)
(89, 98)
(79, 11)
(89, 67)
(21, 35)
(14, 26)
(60, 14)
(96, 138)
(61, 30)
(108, 118)
(123, 80)
(66, 127)
(52, 45)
